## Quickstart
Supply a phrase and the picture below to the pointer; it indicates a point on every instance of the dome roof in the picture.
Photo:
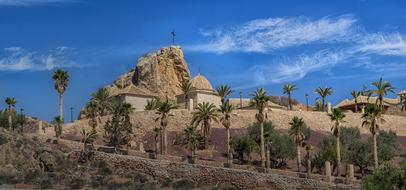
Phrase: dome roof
(201, 83)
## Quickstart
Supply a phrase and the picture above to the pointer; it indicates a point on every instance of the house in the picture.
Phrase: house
(363, 101)
(202, 91)
(133, 95)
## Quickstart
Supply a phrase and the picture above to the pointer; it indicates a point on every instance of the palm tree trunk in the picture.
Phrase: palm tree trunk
(162, 140)
(298, 157)
(375, 152)
(156, 147)
(228, 147)
(338, 155)
(322, 104)
(262, 144)
(290, 102)
(206, 135)
(186, 101)
(165, 140)
(60, 116)
(356, 107)
(10, 119)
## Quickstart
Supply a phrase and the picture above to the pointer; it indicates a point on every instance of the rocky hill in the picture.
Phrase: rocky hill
(159, 72)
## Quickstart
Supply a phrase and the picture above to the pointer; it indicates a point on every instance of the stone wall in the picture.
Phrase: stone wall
(209, 175)
(145, 121)
(138, 103)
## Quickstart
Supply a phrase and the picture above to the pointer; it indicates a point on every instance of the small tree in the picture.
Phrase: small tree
(163, 111)
(186, 87)
(337, 117)
(288, 89)
(152, 104)
(205, 113)
(118, 129)
(283, 148)
(225, 119)
(11, 102)
(355, 94)
(386, 177)
(192, 139)
(297, 126)
(224, 91)
(88, 137)
(243, 145)
(323, 93)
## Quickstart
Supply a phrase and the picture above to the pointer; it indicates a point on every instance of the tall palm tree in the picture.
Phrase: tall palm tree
(288, 89)
(204, 114)
(382, 88)
(92, 113)
(163, 110)
(337, 116)
(11, 102)
(260, 100)
(323, 93)
(355, 94)
(297, 126)
(224, 91)
(61, 79)
(103, 100)
(403, 102)
(225, 119)
(372, 117)
(186, 87)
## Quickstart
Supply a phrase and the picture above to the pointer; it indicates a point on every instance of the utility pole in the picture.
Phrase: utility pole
(173, 36)
(307, 102)
(22, 119)
(71, 114)
(240, 100)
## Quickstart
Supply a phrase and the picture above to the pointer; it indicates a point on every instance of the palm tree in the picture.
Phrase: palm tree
(372, 117)
(355, 94)
(103, 100)
(88, 137)
(163, 110)
(224, 91)
(337, 117)
(382, 88)
(192, 140)
(205, 113)
(61, 79)
(403, 102)
(11, 102)
(157, 132)
(226, 110)
(260, 100)
(186, 87)
(152, 104)
(92, 112)
(297, 126)
(288, 89)
(323, 93)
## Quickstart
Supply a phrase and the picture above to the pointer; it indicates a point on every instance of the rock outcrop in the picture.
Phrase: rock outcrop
(160, 72)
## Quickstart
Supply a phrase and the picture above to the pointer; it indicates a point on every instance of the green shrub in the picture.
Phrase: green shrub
(282, 148)
(77, 182)
(386, 177)
(183, 184)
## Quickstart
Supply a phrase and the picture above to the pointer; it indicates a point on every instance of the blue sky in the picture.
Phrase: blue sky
(246, 44)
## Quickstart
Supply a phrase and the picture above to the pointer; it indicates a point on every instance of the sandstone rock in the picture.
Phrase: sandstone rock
(160, 73)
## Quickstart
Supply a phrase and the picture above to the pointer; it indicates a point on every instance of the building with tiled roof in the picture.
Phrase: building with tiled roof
(134, 95)
(202, 91)
(363, 101)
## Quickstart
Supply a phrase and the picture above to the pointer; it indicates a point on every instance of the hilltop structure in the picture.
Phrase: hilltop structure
(363, 101)
(202, 91)
(158, 76)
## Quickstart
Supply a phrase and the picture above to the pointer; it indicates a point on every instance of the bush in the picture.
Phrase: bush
(183, 184)
(282, 148)
(254, 131)
(386, 145)
(386, 177)
(77, 182)
(243, 145)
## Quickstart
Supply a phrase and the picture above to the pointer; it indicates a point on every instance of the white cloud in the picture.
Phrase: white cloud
(32, 2)
(265, 35)
(291, 69)
(18, 59)
(384, 44)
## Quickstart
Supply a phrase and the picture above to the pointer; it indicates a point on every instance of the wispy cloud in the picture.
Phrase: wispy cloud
(291, 69)
(265, 35)
(18, 59)
(32, 2)
(384, 44)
